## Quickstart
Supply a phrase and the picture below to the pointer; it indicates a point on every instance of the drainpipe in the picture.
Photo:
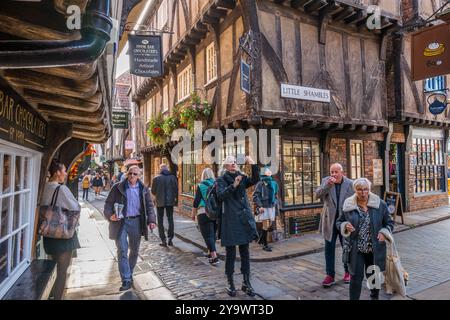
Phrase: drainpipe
(387, 145)
(95, 32)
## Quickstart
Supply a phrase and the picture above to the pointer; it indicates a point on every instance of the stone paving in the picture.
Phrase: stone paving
(186, 274)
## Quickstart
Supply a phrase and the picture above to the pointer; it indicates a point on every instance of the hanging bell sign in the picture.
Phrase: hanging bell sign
(437, 102)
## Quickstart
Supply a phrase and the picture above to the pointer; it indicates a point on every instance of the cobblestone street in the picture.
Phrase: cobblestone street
(187, 274)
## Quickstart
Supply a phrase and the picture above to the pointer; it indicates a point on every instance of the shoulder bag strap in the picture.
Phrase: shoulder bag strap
(55, 196)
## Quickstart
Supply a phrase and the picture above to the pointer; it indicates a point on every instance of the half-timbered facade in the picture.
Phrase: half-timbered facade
(317, 44)
(417, 139)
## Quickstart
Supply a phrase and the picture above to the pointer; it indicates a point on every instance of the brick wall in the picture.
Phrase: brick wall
(408, 10)
(338, 153)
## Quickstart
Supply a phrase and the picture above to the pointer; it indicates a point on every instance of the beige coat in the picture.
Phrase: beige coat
(395, 276)
(327, 194)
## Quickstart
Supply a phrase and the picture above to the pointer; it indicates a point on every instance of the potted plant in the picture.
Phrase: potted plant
(155, 130)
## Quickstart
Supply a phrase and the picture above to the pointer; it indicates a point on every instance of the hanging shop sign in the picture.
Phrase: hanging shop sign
(245, 77)
(129, 144)
(120, 120)
(19, 122)
(431, 52)
(437, 102)
(305, 93)
(145, 55)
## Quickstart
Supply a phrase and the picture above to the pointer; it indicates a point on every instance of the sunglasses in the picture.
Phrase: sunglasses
(134, 173)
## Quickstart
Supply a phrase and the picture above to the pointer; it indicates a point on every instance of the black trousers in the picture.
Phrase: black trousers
(85, 193)
(208, 231)
(169, 212)
(231, 259)
(363, 261)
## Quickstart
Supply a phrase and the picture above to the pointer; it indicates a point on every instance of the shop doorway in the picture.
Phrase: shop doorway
(397, 169)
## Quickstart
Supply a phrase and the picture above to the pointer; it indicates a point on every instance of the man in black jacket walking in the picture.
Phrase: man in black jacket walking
(165, 189)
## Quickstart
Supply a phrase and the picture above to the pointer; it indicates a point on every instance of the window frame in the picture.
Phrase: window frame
(443, 87)
(315, 202)
(429, 176)
(192, 174)
(211, 66)
(184, 83)
(350, 143)
(165, 99)
(27, 193)
(163, 14)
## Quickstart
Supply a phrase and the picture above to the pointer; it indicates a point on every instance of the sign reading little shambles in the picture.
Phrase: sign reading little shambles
(145, 55)
(19, 122)
(305, 93)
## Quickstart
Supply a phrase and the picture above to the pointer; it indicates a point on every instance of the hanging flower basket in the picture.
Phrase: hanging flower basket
(155, 130)
(194, 110)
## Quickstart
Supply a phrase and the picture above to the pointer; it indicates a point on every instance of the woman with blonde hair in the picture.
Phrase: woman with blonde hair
(207, 226)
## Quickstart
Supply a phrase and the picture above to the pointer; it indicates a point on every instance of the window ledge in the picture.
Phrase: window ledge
(183, 99)
(210, 82)
(430, 193)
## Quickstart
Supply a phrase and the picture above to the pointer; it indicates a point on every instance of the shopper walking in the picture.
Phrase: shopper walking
(61, 250)
(333, 192)
(265, 199)
(129, 210)
(165, 189)
(85, 184)
(238, 226)
(207, 226)
(364, 219)
(97, 183)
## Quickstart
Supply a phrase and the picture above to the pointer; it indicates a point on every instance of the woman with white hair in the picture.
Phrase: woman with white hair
(363, 222)
(237, 224)
(206, 225)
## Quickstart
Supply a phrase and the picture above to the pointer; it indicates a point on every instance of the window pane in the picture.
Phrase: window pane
(3, 261)
(288, 189)
(6, 173)
(298, 188)
(23, 242)
(298, 165)
(18, 174)
(4, 217)
(25, 209)
(15, 251)
(26, 173)
(298, 149)
(288, 164)
(16, 215)
(287, 148)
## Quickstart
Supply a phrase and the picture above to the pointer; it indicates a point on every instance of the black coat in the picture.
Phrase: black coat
(118, 194)
(165, 188)
(237, 224)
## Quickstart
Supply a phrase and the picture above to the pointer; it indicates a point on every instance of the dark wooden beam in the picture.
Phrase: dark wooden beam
(344, 14)
(217, 13)
(299, 3)
(315, 5)
(227, 4)
(206, 18)
(361, 15)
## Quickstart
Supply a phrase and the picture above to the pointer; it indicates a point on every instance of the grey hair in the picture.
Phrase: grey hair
(362, 182)
(225, 162)
(207, 173)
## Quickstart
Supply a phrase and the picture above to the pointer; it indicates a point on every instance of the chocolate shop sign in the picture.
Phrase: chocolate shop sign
(305, 93)
(145, 55)
(19, 122)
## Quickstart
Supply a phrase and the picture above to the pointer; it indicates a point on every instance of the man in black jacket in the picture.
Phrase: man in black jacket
(129, 210)
(165, 189)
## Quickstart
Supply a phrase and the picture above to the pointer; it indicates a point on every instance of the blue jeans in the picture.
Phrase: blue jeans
(330, 252)
(129, 232)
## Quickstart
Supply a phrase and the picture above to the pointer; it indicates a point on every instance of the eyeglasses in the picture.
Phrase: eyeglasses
(134, 173)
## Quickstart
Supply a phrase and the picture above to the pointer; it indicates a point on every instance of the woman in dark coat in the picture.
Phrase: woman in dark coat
(238, 227)
(363, 221)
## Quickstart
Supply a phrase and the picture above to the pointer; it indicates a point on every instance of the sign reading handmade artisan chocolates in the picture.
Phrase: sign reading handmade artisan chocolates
(19, 122)
(145, 55)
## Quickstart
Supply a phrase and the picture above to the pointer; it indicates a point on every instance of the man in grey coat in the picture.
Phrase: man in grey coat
(129, 210)
(333, 192)
(165, 189)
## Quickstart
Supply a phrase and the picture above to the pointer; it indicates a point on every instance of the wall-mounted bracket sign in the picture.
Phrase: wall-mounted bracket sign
(305, 93)
(437, 102)
(19, 122)
(120, 120)
(145, 55)
(430, 54)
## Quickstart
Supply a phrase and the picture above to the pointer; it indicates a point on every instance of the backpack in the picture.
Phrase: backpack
(212, 204)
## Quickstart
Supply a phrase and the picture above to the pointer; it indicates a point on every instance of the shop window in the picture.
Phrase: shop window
(165, 99)
(429, 168)
(435, 84)
(189, 176)
(15, 215)
(301, 171)
(356, 159)
(211, 63)
(163, 14)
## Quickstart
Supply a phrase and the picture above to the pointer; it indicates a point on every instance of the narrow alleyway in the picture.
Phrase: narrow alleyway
(187, 275)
